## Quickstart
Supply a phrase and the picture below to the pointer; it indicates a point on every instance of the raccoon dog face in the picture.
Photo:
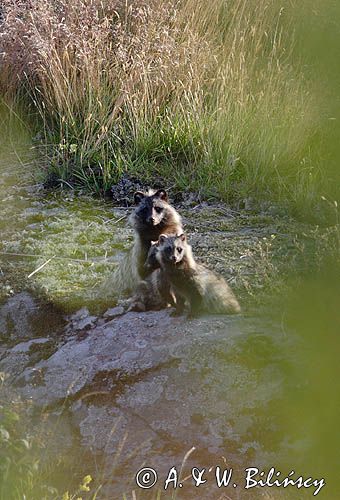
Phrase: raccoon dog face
(151, 210)
(172, 248)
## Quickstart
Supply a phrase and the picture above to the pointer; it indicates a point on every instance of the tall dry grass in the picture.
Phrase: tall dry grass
(202, 93)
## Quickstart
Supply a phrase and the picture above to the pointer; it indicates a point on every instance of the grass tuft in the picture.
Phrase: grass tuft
(211, 96)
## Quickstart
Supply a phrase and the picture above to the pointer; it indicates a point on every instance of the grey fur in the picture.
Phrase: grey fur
(193, 283)
(153, 293)
(152, 216)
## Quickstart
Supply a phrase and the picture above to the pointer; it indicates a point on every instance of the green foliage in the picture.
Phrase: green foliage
(20, 469)
(83, 489)
(25, 470)
(190, 91)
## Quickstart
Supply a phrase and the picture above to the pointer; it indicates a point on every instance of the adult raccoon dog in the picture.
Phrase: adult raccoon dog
(152, 216)
(203, 290)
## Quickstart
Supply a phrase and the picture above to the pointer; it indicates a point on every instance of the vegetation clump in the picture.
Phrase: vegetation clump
(190, 91)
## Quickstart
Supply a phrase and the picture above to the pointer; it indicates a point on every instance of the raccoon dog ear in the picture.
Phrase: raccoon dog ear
(162, 194)
(162, 238)
(182, 237)
(138, 196)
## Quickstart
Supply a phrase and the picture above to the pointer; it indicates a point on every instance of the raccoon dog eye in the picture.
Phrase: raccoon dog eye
(179, 249)
(158, 209)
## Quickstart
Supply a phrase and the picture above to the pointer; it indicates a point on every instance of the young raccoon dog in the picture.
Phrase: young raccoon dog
(203, 290)
(154, 292)
(152, 216)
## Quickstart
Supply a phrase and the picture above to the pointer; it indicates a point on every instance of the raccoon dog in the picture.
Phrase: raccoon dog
(192, 283)
(152, 216)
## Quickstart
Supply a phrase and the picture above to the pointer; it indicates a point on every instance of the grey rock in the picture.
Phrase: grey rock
(113, 312)
(165, 371)
(15, 360)
(81, 320)
(16, 316)
(85, 323)
(24, 317)
(26, 346)
(79, 315)
(160, 384)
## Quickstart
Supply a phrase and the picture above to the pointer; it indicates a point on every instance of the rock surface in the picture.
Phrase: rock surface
(23, 317)
(151, 385)
(163, 384)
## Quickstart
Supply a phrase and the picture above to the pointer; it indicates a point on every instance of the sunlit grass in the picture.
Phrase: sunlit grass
(190, 91)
